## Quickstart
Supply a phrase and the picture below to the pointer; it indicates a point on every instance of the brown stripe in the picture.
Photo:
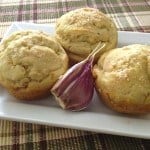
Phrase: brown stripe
(90, 141)
(19, 18)
(42, 134)
(15, 136)
(35, 11)
(146, 144)
(145, 28)
(102, 141)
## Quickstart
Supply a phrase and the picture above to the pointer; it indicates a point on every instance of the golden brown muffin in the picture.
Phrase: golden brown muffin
(123, 78)
(30, 63)
(80, 31)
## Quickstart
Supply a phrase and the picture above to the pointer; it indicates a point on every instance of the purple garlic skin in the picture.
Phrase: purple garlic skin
(74, 90)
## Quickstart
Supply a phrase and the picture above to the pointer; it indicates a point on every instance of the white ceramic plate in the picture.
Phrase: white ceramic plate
(97, 117)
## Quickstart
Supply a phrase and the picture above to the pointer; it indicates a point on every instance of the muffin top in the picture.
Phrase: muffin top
(30, 58)
(79, 31)
(124, 74)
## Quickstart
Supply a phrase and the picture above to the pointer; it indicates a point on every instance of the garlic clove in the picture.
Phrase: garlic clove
(74, 90)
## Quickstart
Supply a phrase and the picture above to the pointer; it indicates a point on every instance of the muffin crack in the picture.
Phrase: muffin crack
(30, 63)
(80, 30)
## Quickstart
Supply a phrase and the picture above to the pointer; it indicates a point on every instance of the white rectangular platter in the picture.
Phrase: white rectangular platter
(97, 117)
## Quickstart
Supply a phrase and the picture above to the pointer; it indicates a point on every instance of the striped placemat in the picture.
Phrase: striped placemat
(129, 15)
(18, 136)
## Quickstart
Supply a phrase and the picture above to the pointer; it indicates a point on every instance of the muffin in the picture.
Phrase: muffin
(30, 63)
(79, 31)
(122, 78)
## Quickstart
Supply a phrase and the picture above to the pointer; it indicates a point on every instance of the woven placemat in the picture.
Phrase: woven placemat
(26, 136)
(129, 15)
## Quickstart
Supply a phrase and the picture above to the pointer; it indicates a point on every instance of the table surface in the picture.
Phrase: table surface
(129, 15)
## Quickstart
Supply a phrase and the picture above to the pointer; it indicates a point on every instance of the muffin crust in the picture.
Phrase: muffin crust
(30, 63)
(79, 31)
(123, 78)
